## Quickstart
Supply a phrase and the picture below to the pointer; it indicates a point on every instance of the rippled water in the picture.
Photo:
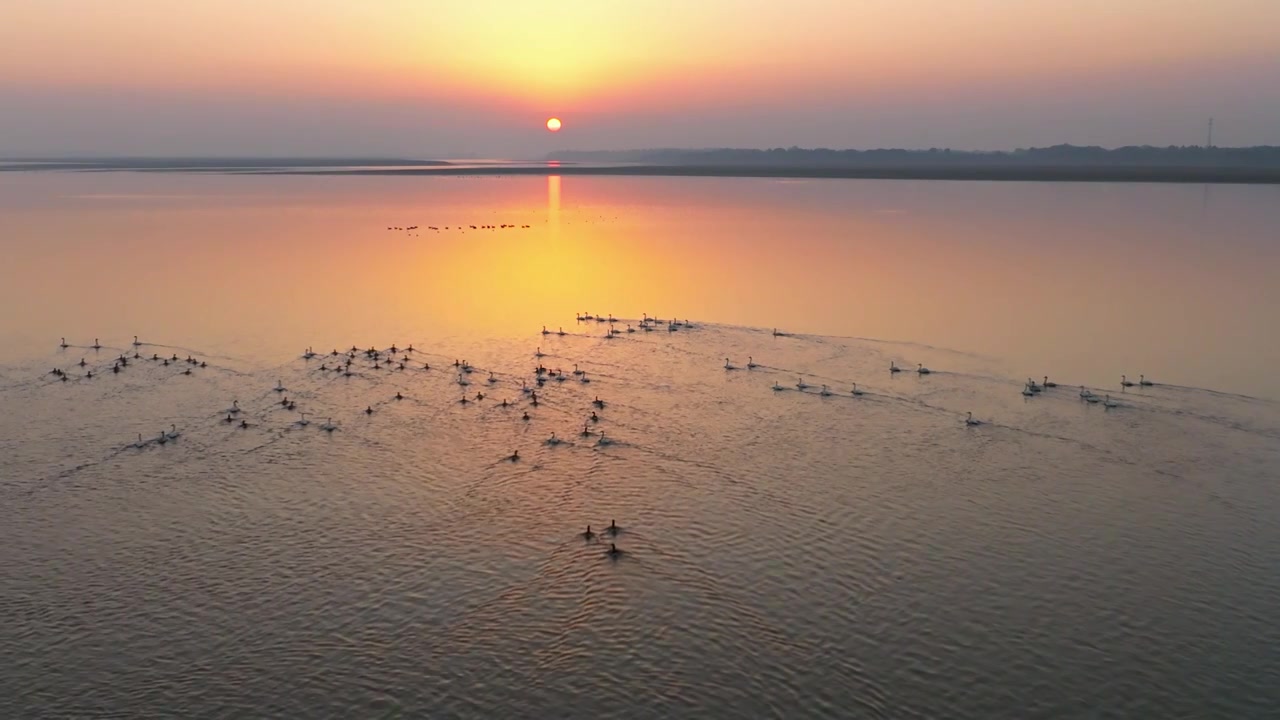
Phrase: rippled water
(785, 553)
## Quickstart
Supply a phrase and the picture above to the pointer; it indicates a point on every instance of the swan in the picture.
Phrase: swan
(514, 456)
(1143, 381)
(594, 416)
(598, 402)
(586, 431)
(603, 440)
(163, 438)
(855, 390)
(279, 386)
(751, 363)
(538, 353)
(630, 329)
(561, 333)
(970, 421)
(1091, 399)
(173, 432)
(728, 365)
(135, 341)
(140, 442)
(1026, 391)
(64, 343)
(584, 378)
(304, 421)
(553, 440)
(1085, 393)
(894, 368)
(800, 384)
(95, 344)
(1032, 386)
(1049, 384)
(576, 371)
(328, 425)
(588, 534)
(777, 387)
(613, 527)
(1124, 382)
(545, 331)
(1109, 403)
(463, 381)
(922, 370)
(825, 392)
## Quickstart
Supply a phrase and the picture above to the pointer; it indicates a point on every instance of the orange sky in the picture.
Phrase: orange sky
(452, 68)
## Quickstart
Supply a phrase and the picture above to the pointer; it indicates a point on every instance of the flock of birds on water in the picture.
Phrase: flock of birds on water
(395, 359)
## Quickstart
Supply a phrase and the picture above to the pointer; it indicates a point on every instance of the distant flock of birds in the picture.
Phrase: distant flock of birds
(376, 359)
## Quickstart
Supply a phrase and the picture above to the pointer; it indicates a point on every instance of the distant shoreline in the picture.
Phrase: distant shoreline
(418, 168)
(1193, 175)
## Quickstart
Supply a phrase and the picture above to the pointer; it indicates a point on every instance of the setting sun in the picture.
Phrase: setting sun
(553, 124)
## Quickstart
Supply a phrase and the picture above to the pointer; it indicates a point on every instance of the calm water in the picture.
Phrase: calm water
(786, 553)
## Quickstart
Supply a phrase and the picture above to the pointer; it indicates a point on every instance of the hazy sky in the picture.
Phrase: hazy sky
(437, 77)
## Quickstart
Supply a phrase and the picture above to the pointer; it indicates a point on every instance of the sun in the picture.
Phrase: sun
(553, 124)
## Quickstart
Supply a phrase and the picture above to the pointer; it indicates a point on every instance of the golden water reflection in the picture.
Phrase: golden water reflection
(1083, 280)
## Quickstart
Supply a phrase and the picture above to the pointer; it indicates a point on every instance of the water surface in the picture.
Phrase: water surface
(786, 553)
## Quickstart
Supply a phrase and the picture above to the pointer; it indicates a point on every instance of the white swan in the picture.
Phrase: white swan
(1124, 382)
(173, 432)
(1085, 392)
(1142, 380)
(1109, 403)
(921, 369)
(1049, 384)
(235, 407)
(135, 341)
(894, 368)
(970, 421)
(553, 440)
(279, 386)
(751, 364)
(141, 442)
(1026, 391)
(1091, 399)
(95, 345)
(64, 343)
(304, 421)
(825, 392)
(492, 377)
(163, 438)
(576, 371)
(728, 365)
(603, 440)
(855, 390)
(776, 386)
(328, 426)
(800, 384)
